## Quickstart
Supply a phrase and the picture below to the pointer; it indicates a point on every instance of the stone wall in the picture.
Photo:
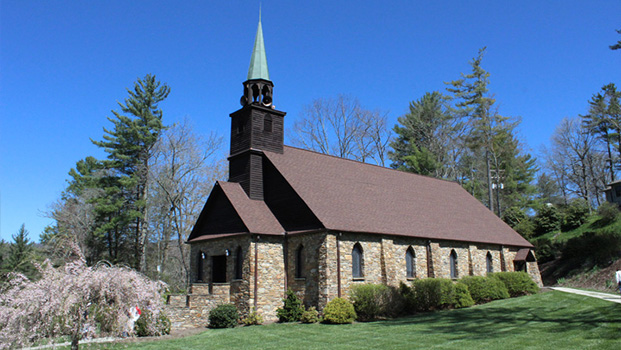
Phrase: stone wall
(305, 285)
(271, 276)
(383, 262)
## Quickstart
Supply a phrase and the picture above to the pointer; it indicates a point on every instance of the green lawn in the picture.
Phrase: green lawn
(551, 320)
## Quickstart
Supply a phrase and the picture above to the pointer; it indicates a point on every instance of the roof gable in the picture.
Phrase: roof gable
(228, 210)
(351, 196)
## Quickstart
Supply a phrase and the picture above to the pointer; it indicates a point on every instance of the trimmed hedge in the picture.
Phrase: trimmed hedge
(339, 311)
(370, 300)
(223, 316)
(484, 289)
(462, 296)
(432, 293)
(518, 283)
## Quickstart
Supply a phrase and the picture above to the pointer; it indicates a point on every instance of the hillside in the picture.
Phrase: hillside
(586, 257)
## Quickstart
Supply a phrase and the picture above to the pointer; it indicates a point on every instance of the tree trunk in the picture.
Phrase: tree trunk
(75, 342)
(490, 197)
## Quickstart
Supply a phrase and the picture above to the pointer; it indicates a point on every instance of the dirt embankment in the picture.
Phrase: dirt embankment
(603, 279)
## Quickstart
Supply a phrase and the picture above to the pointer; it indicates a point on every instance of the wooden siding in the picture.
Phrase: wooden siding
(252, 134)
(218, 216)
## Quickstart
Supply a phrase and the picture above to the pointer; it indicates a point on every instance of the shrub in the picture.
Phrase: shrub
(547, 220)
(513, 216)
(484, 289)
(406, 294)
(432, 293)
(546, 250)
(575, 214)
(310, 316)
(526, 228)
(396, 305)
(223, 316)
(462, 296)
(254, 318)
(517, 283)
(339, 311)
(292, 308)
(370, 300)
(600, 247)
(608, 212)
(144, 325)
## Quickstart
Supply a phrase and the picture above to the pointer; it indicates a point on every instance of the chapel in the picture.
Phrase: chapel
(289, 218)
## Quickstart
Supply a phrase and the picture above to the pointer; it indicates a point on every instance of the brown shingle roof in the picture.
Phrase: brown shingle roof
(346, 195)
(255, 214)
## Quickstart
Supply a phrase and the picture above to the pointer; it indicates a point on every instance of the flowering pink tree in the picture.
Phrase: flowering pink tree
(74, 301)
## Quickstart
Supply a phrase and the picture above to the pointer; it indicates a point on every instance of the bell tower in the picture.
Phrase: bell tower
(257, 126)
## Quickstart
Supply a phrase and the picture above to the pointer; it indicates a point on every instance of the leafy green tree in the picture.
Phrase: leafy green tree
(122, 210)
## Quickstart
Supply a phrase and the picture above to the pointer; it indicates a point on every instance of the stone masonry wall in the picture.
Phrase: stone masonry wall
(383, 262)
(271, 276)
(305, 286)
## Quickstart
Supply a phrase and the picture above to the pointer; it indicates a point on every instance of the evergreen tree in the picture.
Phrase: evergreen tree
(427, 141)
(473, 101)
(604, 122)
(20, 254)
(495, 170)
(122, 210)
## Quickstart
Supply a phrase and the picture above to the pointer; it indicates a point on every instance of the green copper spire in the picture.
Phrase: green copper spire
(258, 60)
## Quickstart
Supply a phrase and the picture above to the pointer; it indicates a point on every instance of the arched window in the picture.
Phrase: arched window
(239, 263)
(357, 261)
(410, 263)
(299, 262)
(453, 263)
(490, 263)
(200, 267)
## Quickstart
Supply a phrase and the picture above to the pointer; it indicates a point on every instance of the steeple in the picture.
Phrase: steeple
(258, 60)
(257, 127)
(258, 88)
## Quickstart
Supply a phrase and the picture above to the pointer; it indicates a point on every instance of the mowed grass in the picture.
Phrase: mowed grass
(550, 320)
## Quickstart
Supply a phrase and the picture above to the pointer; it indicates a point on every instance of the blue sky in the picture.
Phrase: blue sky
(64, 64)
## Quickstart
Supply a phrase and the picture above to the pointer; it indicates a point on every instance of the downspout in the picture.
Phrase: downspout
(256, 271)
(503, 263)
(338, 265)
(430, 273)
(286, 257)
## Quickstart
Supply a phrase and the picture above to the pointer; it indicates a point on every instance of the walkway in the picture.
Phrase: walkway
(615, 298)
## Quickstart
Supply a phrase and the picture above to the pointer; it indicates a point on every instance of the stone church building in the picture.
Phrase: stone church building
(288, 218)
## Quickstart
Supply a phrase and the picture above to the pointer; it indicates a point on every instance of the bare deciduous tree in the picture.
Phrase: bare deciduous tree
(341, 127)
(574, 161)
(184, 169)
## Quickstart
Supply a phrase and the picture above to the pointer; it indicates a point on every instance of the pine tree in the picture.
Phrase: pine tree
(427, 139)
(20, 254)
(122, 210)
(495, 169)
(604, 122)
(474, 102)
